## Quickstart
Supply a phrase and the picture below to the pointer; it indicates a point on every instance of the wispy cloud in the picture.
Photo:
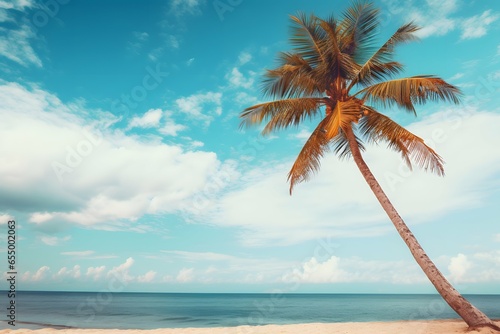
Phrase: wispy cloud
(201, 107)
(182, 7)
(456, 77)
(79, 254)
(6, 6)
(200, 256)
(185, 275)
(139, 39)
(477, 25)
(147, 277)
(302, 134)
(54, 241)
(237, 79)
(244, 58)
(68, 273)
(438, 18)
(171, 128)
(150, 119)
(39, 275)
(16, 46)
(344, 270)
(95, 272)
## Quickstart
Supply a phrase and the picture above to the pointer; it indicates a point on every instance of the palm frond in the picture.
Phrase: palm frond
(380, 65)
(343, 114)
(308, 160)
(340, 145)
(294, 78)
(328, 130)
(359, 27)
(377, 127)
(307, 38)
(407, 92)
(281, 113)
(338, 64)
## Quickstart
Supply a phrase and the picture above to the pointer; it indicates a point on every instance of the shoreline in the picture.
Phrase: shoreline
(449, 326)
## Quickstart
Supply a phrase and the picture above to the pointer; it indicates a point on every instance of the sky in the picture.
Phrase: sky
(122, 159)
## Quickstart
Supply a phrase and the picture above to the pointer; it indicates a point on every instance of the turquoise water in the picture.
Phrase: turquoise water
(177, 310)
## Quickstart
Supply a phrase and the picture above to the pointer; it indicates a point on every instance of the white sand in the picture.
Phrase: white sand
(397, 327)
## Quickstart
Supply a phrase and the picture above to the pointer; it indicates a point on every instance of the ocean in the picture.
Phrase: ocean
(36, 310)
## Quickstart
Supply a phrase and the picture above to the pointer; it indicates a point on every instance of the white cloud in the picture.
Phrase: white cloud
(147, 277)
(197, 144)
(218, 267)
(181, 7)
(200, 256)
(342, 270)
(4, 218)
(38, 276)
(95, 272)
(261, 206)
(171, 128)
(79, 254)
(141, 36)
(456, 77)
(478, 267)
(7, 6)
(313, 271)
(16, 46)
(458, 267)
(122, 271)
(102, 179)
(72, 273)
(16, 4)
(477, 25)
(245, 99)
(40, 217)
(173, 42)
(438, 18)
(196, 106)
(150, 119)
(54, 241)
(190, 61)
(244, 58)
(185, 275)
(237, 79)
(433, 16)
(303, 135)
(138, 41)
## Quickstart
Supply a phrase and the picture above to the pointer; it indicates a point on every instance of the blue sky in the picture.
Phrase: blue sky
(122, 156)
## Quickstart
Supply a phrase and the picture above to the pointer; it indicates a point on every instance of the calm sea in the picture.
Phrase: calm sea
(171, 310)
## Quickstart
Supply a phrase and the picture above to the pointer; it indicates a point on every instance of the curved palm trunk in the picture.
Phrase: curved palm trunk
(469, 313)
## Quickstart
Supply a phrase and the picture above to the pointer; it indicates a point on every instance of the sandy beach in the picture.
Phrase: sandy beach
(396, 327)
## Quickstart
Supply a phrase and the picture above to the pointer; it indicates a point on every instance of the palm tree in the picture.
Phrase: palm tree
(335, 73)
